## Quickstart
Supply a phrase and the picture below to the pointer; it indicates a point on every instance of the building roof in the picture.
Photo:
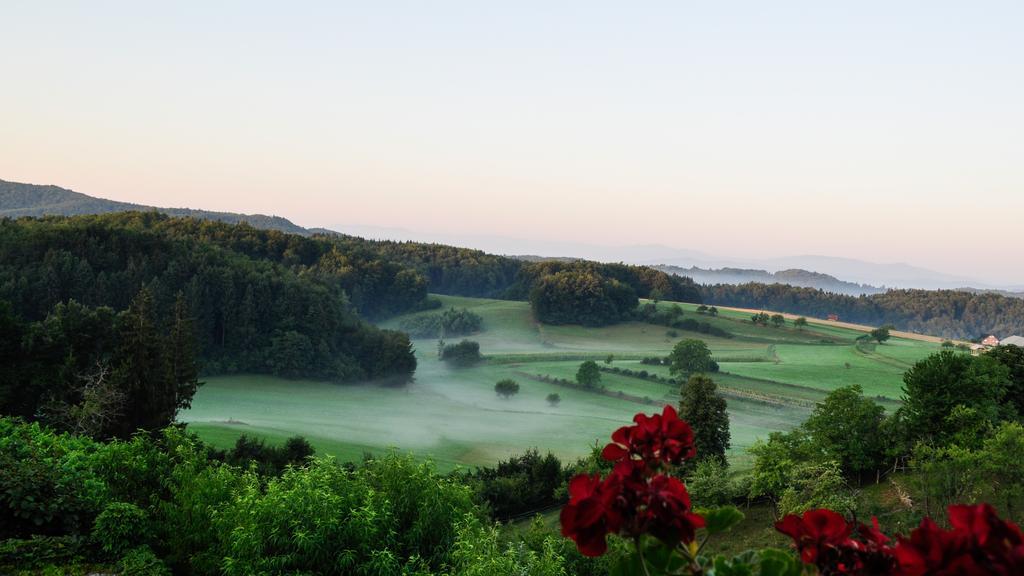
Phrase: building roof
(1015, 340)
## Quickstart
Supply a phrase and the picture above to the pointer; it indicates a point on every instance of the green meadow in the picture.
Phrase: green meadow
(770, 376)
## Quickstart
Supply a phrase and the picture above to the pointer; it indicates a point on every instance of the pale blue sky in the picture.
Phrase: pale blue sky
(887, 131)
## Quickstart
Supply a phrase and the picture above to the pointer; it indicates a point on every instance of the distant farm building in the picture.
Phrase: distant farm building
(990, 341)
(833, 317)
(1013, 341)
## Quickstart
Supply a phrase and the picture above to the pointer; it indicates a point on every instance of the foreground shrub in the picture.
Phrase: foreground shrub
(478, 551)
(120, 527)
(39, 551)
(50, 484)
(390, 516)
(142, 562)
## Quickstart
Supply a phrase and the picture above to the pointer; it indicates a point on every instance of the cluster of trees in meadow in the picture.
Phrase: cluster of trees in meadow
(452, 322)
(950, 313)
(261, 301)
(581, 297)
(461, 354)
(674, 317)
(600, 294)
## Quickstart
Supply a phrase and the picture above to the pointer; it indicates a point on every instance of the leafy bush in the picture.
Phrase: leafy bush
(814, 485)
(506, 388)
(479, 551)
(520, 485)
(50, 484)
(141, 561)
(709, 484)
(120, 527)
(399, 515)
(39, 551)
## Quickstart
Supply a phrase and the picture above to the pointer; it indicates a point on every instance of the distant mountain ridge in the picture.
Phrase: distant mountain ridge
(17, 199)
(793, 277)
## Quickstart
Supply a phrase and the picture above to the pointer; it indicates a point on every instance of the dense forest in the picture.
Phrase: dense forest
(262, 301)
(949, 313)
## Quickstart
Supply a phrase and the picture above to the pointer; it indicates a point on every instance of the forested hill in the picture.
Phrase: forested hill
(17, 199)
(262, 301)
(948, 313)
(468, 272)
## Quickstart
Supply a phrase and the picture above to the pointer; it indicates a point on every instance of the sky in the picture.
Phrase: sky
(884, 131)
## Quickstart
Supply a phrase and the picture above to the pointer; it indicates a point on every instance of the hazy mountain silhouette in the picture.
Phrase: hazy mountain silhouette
(17, 199)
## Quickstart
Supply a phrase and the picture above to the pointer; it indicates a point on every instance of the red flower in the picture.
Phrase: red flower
(656, 438)
(818, 534)
(932, 550)
(667, 514)
(978, 543)
(589, 517)
(871, 552)
(988, 532)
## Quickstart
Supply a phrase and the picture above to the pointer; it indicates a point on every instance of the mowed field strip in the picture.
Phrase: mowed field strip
(771, 377)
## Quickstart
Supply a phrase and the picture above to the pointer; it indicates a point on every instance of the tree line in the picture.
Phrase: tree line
(949, 313)
(561, 292)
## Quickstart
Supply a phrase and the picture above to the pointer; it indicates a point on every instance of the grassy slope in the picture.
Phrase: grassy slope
(770, 375)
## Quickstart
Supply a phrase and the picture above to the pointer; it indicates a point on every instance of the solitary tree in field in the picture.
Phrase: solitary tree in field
(880, 334)
(702, 309)
(589, 374)
(713, 311)
(689, 356)
(778, 320)
(506, 388)
(800, 323)
(705, 410)
(609, 359)
(553, 399)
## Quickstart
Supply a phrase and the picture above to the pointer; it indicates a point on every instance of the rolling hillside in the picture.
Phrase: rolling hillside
(17, 199)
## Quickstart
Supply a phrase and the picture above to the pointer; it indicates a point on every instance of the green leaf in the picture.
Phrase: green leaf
(779, 563)
(721, 519)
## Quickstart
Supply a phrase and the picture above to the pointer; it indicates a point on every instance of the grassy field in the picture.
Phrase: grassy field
(771, 377)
